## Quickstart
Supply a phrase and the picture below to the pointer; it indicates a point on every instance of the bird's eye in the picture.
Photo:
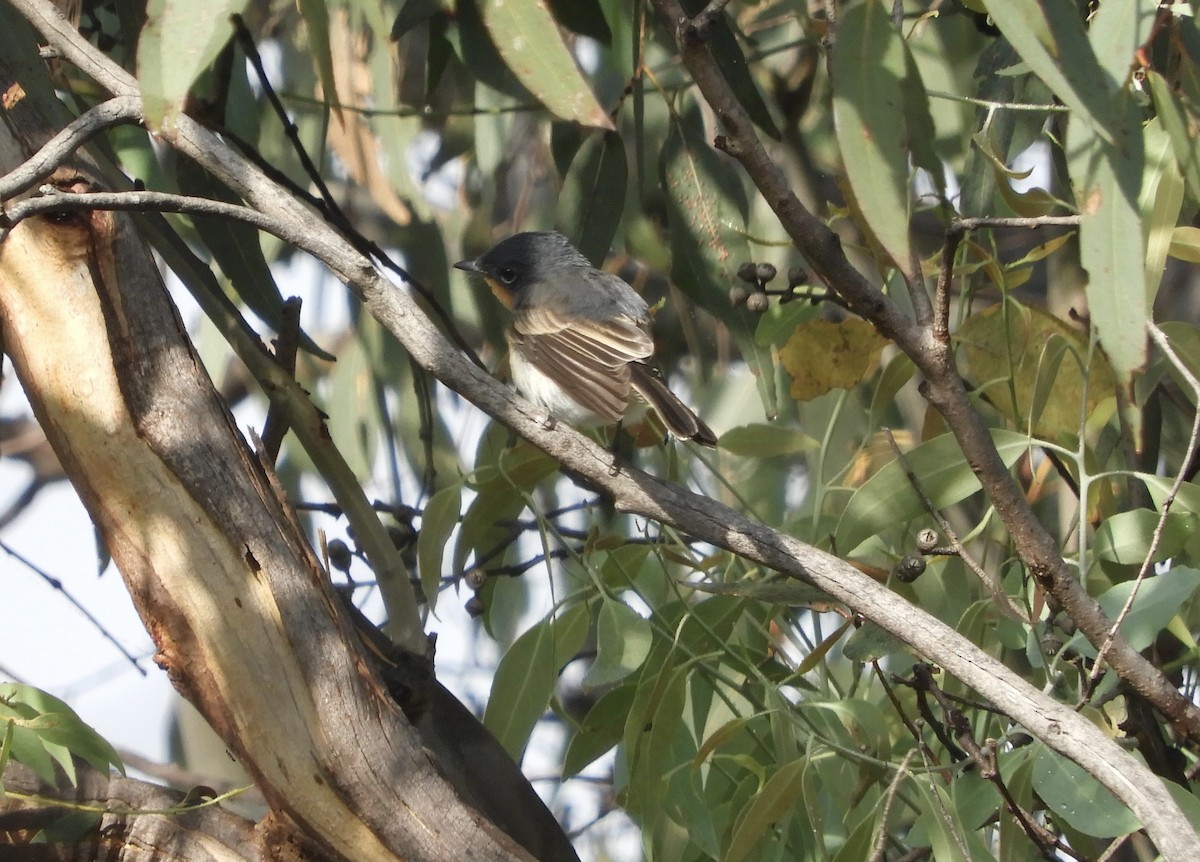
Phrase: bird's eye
(507, 274)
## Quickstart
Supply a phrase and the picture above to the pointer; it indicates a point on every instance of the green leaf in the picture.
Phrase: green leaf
(528, 39)
(1051, 40)
(1107, 182)
(593, 195)
(237, 249)
(1116, 31)
(438, 520)
(1185, 243)
(1125, 537)
(943, 473)
(707, 223)
(623, 641)
(601, 729)
(943, 832)
(47, 728)
(870, 642)
(525, 678)
(70, 828)
(584, 17)
(653, 720)
(868, 104)
(1158, 600)
(775, 590)
(1081, 801)
(180, 40)
(477, 51)
(1161, 202)
(1177, 124)
(6, 748)
(316, 20)
(772, 804)
(411, 14)
(762, 440)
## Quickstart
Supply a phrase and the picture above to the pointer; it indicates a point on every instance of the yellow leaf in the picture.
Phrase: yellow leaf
(822, 355)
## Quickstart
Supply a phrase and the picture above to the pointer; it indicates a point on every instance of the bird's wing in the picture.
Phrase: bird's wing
(588, 358)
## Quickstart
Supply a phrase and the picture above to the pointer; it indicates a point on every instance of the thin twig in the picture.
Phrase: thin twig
(977, 222)
(57, 584)
(122, 110)
(879, 845)
(54, 199)
(1046, 841)
(1039, 107)
(941, 294)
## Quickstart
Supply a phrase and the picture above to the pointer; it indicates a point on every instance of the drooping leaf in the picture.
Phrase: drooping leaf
(584, 17)
(1158, 600)
(600, 730)
(1107, 181)
(1125, 537)
(650, 728)
(1050, 38)
(316, 21)
(868, 107)
(707, 222)
(945, 477)
(528, 39)
(770, 805)
(438, 520)
(823, 355)
(1116, 32)
(525, 678)
(940, 830)
(1185, 243)
(761, 440)
(236, 248)
(622, 643)
(179, 41)
(1177, 124)
(56, 727)
(1076, 797)
(730, 59)
(593, 195)
(413, 13)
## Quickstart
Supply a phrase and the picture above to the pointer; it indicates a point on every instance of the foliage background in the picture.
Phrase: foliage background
(753, 719)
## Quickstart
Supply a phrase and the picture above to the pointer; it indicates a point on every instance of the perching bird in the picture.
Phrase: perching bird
(579, 342)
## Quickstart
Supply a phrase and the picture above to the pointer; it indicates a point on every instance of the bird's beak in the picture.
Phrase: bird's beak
(471, 265)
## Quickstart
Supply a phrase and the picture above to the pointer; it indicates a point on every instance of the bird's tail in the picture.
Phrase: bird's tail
(677, 416)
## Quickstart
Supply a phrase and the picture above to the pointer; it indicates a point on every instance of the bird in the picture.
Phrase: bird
(579, 340)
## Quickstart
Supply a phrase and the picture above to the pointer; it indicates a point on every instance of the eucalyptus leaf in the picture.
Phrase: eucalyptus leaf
(526, 36)
(940, 469)
(524, 681)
